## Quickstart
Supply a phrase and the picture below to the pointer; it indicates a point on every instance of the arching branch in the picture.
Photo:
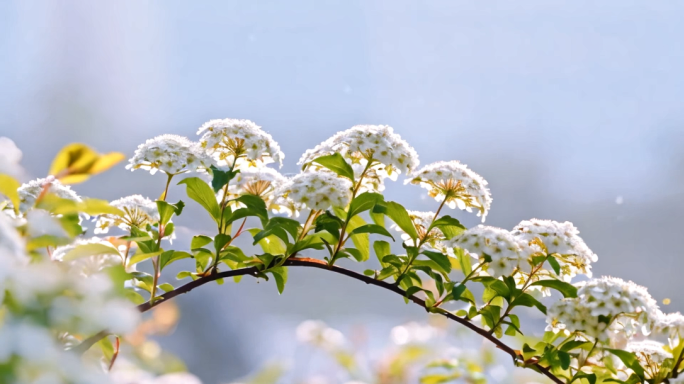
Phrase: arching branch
(318, 264)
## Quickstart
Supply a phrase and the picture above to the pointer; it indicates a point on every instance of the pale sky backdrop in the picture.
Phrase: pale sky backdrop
(572, 110)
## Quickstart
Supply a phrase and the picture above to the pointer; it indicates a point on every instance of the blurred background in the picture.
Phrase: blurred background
(570, 109)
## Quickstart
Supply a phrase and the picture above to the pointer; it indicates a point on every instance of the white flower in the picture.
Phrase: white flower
(138, 212)
(260, 181)
(628, 308)
(493, 245)
(89, 265)
(671, 324)
(387, 153)
(29, 192)
(316, 190)
(319, 334)
(455, 183)
(10, 156)
(649, 350)
(11, 243)
(412, 333)
(238, 141)
(171, 154)
(560, 239)
(570, 315)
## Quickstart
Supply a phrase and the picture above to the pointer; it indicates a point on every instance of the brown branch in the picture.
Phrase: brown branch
(315, 263)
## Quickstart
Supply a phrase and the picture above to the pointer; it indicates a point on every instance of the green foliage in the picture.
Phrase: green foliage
(337, 164)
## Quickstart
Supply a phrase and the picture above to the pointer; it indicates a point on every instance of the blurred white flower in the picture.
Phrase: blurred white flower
(317, 190)
(41, 222)
(238, 141)
(412, 333)
(89, 265)
(10, 156)
(171, 154)
(29, 192)
(319, 334)
(456, 184)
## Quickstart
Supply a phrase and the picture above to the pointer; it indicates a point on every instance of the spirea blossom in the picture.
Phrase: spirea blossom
(388, 153)
(671, 324)
(316, 190)
(11, 243)
(497, 244)
(171, 154)
(651, 355)
(260, 181)
(29, 192)
(234, 140)
(138, 212)
(629, 308)
(456, 184)
(571, 315)
(88, 265)
(413, 333)
(560, 239)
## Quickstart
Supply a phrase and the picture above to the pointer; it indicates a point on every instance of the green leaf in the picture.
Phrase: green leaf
(570, 345)
(270, 243)
(564, 358)
(568, 290)
(134, 296)
(590, 377)
(221, 178)
(166, 287)
(629, 359)
(449, 226)
(199, 191)
(554, 264)
(371, 228)
(355, 253)
(382, 249)
(280, 275)
(527, 300)
(169, 257)
(441, 259)
(139, 257)
(91, 249)
(364, 202)
(166, 211)
(200, 241)
(457, 291)
(361, 240)
(400, 216)
(220, 241)
(337, 164)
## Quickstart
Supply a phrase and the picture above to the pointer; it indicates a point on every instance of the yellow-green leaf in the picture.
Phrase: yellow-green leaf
(8, 187)
(85, 250)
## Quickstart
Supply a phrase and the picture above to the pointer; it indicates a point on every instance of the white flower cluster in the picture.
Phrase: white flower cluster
(671, 324)
(29, 192)
(560, 239)
(235, 140)
(388, 153)
(37, 357)
(138, 212)
(88, 265)
(649, 351)
(570, 315)
(171, 154)
(315, 190)
(10, 156)
(47, 299)
(317, 333)
(260, 181)
(651, 355)
(497, 244)
(628, 307)
(456, 184)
